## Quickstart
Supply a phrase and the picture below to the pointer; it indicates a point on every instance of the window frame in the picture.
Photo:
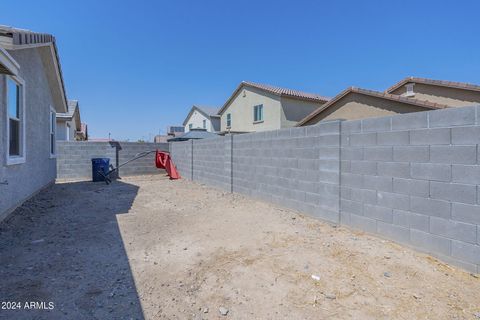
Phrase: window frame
(258, 113)
(52, 133)
(409, 90)
(16, 159)
(190, 126)
(229, 120)
(204, 124)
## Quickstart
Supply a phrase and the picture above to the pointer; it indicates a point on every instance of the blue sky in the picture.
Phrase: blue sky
(138, 66)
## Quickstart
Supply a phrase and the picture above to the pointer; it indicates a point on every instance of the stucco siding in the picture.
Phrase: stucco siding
(61, 133)
(39, 169)
(356, 106)
(294, 110)
(444, 95)
(241, 109)
(196, 120)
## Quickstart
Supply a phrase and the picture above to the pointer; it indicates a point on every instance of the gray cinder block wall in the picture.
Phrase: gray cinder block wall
(412, 178)
(74, 158)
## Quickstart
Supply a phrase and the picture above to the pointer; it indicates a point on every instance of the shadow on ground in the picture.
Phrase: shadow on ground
(64, 246)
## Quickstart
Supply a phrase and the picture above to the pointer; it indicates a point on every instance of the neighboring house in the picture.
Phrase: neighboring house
(83, 134)
(258, 107)
(355, 103)
(31, 93)
(69, 125)
(202, 118)
(194, 134)
(454, 94)
(175, 130)
(172, 132)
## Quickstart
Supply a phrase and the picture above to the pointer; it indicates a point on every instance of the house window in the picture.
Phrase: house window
(53, 129)
(258, 113)
(229, 120)
(204, 124)
(15, 121)
(410, 91)
(190, 126)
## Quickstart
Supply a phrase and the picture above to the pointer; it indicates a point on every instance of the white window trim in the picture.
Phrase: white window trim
(54, 123)
(409, 93)
(13, 160)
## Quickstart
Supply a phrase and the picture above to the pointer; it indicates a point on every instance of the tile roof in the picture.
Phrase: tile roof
(381, 95)
(26, 37)
(206, 111)
(290, 93)
(441, 83)
(210, 111)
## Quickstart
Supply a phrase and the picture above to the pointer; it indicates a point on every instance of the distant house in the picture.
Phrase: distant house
(172, 132)
(83, 134)
(259, 107)
(175, 130)
(355, 103)
(194, 134)
(202, 118)
(32, 92)
(453, 94)
(69, 125)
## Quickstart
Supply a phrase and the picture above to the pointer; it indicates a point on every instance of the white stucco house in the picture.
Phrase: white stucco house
(202, 118)
(69, 124)
(259, 107)
(32, 92)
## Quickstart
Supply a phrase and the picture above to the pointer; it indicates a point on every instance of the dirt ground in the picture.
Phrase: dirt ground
(151, 248)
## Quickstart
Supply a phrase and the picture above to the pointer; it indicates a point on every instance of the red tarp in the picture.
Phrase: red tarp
(164, 161)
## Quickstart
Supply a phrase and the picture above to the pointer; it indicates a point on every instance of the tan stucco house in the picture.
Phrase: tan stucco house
(453, 94)
(356, 103)
(258, 107)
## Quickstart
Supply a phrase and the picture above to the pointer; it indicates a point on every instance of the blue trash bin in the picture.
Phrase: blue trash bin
(99, 165)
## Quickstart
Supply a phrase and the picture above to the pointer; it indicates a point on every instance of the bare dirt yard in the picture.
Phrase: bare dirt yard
(151, 248)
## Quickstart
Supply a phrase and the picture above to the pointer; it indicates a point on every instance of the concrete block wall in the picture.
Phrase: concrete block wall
(212, 162)
(414, 178)
(181, 153)
(74, 158)
(295, 167)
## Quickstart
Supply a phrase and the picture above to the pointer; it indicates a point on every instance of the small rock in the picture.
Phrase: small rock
(315, 277)
(205, 310)
(330, 296)
(223, 311)
(475, 275)
(477, 315)
(185, 248)
(387, 274)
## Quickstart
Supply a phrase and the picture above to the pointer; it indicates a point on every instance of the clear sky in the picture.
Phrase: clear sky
(138, 66)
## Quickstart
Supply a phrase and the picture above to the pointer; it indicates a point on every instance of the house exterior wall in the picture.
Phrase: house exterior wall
(65, 130)
(241, 108)
(294, 110)
(356, 106)
(39, 169)
(444, 95)
(196, 119)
